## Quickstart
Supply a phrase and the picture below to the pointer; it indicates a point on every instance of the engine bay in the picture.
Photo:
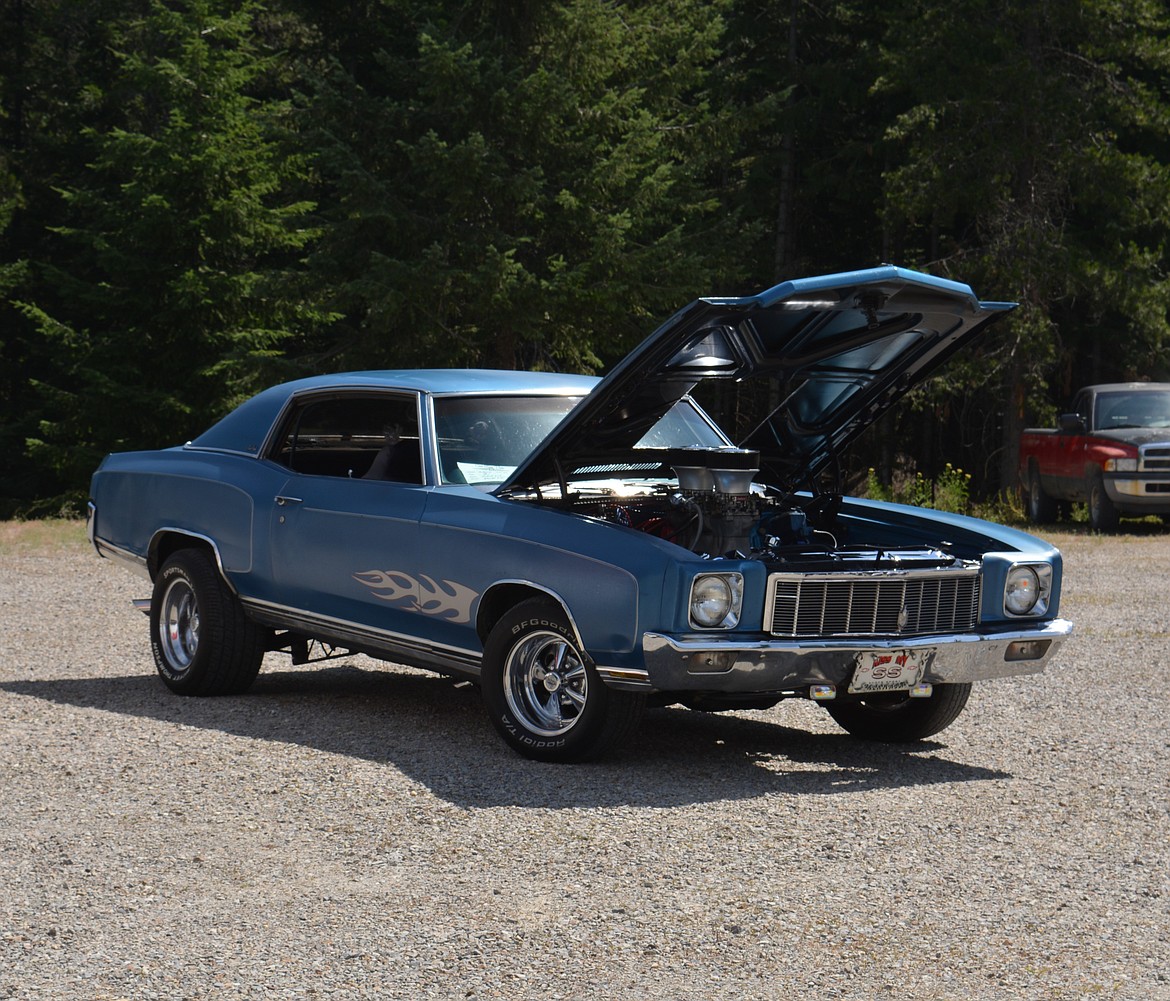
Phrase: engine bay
(750, 526)
(717, 511)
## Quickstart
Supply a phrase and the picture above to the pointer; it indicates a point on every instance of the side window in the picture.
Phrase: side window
(1081, 406)
(360, 437)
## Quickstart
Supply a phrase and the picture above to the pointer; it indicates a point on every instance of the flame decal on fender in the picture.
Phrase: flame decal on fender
(443, 599)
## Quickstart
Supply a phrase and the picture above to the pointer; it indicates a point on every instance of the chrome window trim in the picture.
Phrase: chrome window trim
(308, 396)
(188, 446)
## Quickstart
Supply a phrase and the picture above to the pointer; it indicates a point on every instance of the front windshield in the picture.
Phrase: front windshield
(1141, 409)
(482, 439)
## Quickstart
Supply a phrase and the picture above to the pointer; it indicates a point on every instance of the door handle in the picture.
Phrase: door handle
(282, 501)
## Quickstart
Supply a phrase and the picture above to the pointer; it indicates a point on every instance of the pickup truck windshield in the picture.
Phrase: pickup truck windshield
(1145, 409)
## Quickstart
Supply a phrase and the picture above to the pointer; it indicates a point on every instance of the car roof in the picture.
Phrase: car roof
(1127, 387)
(438, 381)
(246, 427)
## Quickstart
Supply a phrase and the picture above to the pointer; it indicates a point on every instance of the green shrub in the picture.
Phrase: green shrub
(951, 491)
(875, 489)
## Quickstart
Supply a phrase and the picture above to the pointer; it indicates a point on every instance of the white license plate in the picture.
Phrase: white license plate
(888, 670)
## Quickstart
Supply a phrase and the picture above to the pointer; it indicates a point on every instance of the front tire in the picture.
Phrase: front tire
(895, 718)
(1103, 516)
(543, 693)
(203, 643)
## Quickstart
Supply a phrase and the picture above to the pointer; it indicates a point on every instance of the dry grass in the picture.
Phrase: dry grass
(50, 535)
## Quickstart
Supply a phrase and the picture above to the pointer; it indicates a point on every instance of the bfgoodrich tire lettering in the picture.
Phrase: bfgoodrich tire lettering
(202, 642)
(894, 717)
(544, 695)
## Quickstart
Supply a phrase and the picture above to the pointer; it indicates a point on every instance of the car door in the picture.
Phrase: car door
(1069, 465)
(343, 530)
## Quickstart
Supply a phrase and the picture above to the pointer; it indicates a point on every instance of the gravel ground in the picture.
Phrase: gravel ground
(358, 831)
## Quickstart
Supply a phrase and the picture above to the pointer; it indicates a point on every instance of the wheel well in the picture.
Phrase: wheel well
(498, 599)
(165, 544)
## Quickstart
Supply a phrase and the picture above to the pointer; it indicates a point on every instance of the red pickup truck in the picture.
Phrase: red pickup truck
(1112, 452)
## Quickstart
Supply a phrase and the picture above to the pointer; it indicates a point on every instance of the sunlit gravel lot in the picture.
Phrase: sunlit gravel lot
(359, 831)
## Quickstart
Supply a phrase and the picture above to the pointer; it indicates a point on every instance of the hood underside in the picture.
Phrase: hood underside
(835, 352)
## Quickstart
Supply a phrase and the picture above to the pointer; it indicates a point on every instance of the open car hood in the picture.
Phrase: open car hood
(831, 355)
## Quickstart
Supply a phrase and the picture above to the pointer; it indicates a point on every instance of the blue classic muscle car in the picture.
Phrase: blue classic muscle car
(581, 548)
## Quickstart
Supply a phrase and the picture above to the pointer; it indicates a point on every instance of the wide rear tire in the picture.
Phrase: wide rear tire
(203, 643)
(895, 718)
(543, 693)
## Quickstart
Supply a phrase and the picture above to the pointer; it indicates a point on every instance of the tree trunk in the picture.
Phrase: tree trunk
(785, 242)
(1013, 424)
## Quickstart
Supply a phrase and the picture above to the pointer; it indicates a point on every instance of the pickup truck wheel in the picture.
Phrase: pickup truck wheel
(1041, 507)
(202, 642)
(895, 718)
(1103, 516)
(543, 693)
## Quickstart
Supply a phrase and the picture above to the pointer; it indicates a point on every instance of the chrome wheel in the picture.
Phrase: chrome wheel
(202, 642)
(1041, 507)
(543, 693)
(178, 625)
(1103, 516)
(545, 683)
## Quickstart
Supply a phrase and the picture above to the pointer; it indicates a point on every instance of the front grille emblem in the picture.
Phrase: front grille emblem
(903, 618)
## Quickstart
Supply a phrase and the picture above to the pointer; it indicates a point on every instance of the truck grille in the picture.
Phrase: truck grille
(1154, 457)
(874, 604)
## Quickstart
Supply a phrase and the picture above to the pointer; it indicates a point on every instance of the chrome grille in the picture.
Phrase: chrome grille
(873, 604)
(1154, 457)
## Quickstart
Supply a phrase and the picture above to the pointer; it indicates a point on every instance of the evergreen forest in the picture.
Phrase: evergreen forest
(200, 198)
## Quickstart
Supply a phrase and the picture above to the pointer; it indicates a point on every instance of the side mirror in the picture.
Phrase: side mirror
(1072, 424)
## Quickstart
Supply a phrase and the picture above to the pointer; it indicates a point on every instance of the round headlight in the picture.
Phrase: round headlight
(711, 600)
(1022, 590)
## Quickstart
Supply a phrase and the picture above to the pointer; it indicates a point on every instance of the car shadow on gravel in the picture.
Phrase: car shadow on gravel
(435, 731)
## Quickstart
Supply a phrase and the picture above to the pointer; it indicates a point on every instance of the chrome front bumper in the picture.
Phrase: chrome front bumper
(705, 663)
(1139, 491)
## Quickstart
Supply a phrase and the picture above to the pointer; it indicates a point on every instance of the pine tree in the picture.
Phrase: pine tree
(527, 191)
(173, 292)
(51, 52)
(1030, 159)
